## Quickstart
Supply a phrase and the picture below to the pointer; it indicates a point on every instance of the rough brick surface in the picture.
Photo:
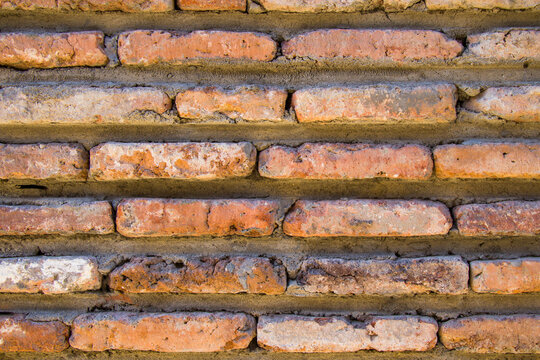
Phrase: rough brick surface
(480, 4)
(372, 45)
(502, 218)
(60, 162)
(146, 47)
(506, 276)
(443, 275)
(70, 217)
(346, 161)
(228, 275)
(377, 104)
(205, 5)
(367, 218)
(202, 161)
(317, 6)
(171, 332)
(178, 217)
(90, 5)
(290, 333)
(48, 50)
(505, 45)
(247, 103)
(20, 335)
(488, 160)
(493, 334)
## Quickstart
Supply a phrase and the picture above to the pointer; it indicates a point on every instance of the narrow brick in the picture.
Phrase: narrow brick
(346, 162)
(506, 45)
(506, 276)
(488, 160)
(213, 5)
(493, 334)
(318, 6)
(179, 217)
(49, 275)
(20, 335)
(147, 47)
(367, 218)
(291, 333)
(248, 103)
(66, 218)
(134, 6)
(50, 50)
(480, 4)
(503, 218)
(377, 104)
(210, 275)
(201, 161)
(171, 332)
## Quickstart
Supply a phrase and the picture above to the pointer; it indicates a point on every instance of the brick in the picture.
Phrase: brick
(480, 4)
(50, 50)
(147, 47)
(507, 45)
(346, 162)
(247, 103)
(49, 275)
(66, 218)
(227, 275)
(367, 218)
(377, 104)
(201, 161)
(488, 160)
(519, 103)
(20, 335)
(179, 217)
(170, 332)
(291, 333)
(317, 6)
(44, 105)
(90, 5)
(506, 276)
(493, 334)
(442, 275)
(503, 218)
(372, 45)
(60, 162)
(213, 5)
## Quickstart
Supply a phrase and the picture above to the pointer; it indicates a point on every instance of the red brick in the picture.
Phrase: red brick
(502, 218)
(488, 160)
(201, 161)
(506, 45)
(213, 5)
(171, 332)
(346, 162)
(227, 275)
(247, 103)
(20, 335)
(367, 218)
(147, 47)
(90, 5)
(377, 104)
(493, 334)
(49, 50)
(291, 333)
(372, 45)
(506, 276)
(64, 218)
(179, 217)
(480, 4)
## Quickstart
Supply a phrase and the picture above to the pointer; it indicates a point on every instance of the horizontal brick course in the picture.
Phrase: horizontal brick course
(505, 45)
(214, 5)
(316, 6)
(18, 334)
(480, 4)
(90, 5)
(506, 276)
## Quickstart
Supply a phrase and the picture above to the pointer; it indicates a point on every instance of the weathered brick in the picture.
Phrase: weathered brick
(50, 50)
(90, 5)
(247, 103)
(367, 218)
(66, 218)
(147, 47)
(291, 333)
(49, 275)
(480, 4)
(179, 217)
(372, 45)
(505, 45)
(20, 335)
(213, 5)
(227, 275)
(202, 161)
(502, 218)
(488, 160)
(346, 161)
(377, 104)
(493, 334)
(171, 332)
(316, 6)
(506, 276)
(78, 105)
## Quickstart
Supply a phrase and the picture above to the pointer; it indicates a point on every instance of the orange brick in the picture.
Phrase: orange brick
(506, 276)
(20, 335)
(214, 5)
(505, 45)
(90, 5)
(480, 4)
